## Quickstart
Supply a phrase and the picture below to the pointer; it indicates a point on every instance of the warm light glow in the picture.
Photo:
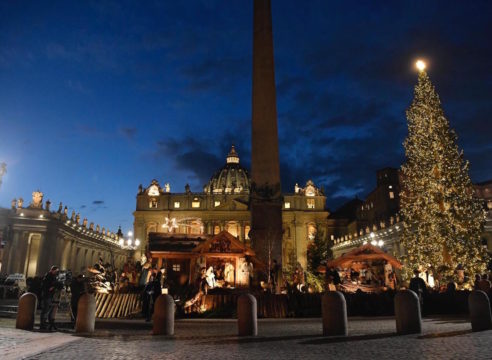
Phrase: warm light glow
(21, 214)
(372, 235)
(137, 242)
(374, 243)
(130, 233)
(121, 242)
(129, 241)
(420, 64)
(380, 243)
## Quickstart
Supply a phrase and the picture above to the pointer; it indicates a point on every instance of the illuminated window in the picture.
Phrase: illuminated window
(287, 205)
(216, 229)
(217, 203)
(195, 203)
(333, 237)
(392, 195)
(310, 203)
(177, 204)
(153, 203)
(247, 228)
(177, 267)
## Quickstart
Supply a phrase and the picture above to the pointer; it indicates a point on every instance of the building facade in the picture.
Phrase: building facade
(224, 204)
(34, 238)
(375, 220)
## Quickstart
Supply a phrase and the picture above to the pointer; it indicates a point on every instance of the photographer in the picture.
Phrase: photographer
(50, 290)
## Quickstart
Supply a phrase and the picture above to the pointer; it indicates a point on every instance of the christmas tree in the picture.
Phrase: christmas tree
(442, 218)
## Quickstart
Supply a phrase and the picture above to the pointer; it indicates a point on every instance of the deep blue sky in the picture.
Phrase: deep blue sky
(98, 97)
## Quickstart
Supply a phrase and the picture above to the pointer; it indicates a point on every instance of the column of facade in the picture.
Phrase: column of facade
(242, 238)
(19, 253)
(7, 255)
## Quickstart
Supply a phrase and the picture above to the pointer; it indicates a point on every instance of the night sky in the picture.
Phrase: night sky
(99, 97)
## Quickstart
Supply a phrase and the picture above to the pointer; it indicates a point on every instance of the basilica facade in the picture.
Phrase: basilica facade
(224, 204)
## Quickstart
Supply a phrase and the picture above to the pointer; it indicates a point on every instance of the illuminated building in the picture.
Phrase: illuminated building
(224, 205)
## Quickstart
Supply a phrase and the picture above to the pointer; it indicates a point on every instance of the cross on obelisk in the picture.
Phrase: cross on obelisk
(266, 195)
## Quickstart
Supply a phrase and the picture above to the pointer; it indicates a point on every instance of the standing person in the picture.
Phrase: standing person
(153, 290)
(55, 303)
(48, 287)
(251, 273)
(77, 289)
(476, 284)
(368, 276)
(418, 285)
(388, 269)
(147, 298)
(484, 284)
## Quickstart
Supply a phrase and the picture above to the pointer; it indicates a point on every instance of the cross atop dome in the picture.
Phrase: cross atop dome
(232, 157)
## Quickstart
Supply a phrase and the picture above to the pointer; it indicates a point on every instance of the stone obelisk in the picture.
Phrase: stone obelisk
(266, 195)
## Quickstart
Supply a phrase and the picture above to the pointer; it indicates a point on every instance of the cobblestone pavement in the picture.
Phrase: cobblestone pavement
(369, 338)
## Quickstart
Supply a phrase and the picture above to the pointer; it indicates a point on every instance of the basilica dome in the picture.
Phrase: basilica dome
(232, 178)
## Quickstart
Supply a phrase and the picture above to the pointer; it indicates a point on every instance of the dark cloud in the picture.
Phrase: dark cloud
(129, 132)
(344, 73)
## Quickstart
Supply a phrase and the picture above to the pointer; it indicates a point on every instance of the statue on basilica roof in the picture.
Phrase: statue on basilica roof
(37, 200)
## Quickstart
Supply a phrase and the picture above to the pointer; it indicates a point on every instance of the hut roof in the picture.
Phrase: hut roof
(364, 253)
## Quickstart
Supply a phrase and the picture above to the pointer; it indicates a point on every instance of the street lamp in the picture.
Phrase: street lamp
(137, 242)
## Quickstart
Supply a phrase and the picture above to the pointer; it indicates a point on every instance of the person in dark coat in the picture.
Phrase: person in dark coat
(48, 287)
(151, 293)
(77, 289)
(418, 285)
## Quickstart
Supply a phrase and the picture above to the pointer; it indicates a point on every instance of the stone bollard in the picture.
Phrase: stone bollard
(334, 313)
(26, 311)
(86, 314)
(407, 313)
(247, 321)
(163, 315)
(480, 316)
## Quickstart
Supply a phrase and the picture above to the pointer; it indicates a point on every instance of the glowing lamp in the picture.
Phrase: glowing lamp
(130, 233)
(420, 64)
(374, 243)
(129, 241)
(121, 242)
(380, 243)
(137, 242)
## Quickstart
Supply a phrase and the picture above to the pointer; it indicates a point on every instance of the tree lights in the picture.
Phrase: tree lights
(442, 218)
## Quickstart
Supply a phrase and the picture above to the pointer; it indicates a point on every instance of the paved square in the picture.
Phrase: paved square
(369, 338)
